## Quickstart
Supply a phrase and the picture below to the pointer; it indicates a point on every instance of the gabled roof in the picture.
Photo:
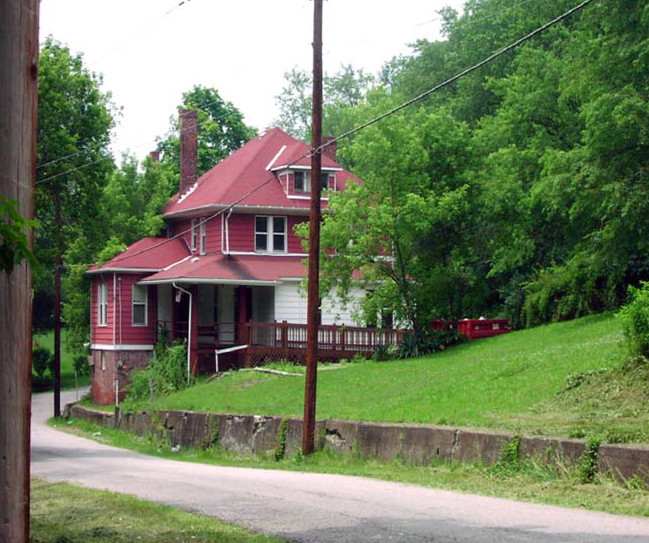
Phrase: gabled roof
(247, 168)
(227, 269)
(147, 255)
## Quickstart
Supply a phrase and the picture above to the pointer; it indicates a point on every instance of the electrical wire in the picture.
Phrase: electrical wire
(375, 120)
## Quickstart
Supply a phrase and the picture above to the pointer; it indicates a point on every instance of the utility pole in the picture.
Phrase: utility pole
(18, 104)
(58, 264)
(313, 298)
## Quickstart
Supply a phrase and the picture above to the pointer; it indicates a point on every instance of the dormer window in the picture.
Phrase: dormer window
(203, 239)
(302, 181)
(270, 234)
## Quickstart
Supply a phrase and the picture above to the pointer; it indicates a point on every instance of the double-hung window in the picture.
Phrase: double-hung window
(203, 241)
(140, 303)
(270, 234)
(302, 181)
(102, 304)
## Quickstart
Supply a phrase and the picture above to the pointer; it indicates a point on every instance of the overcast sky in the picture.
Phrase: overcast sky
(151, 51)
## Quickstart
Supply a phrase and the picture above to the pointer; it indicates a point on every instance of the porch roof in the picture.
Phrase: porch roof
(146, 255)
(231, 270)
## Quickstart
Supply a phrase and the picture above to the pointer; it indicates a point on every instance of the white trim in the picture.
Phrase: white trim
(300, 167)
(295, 197)
(173, 264)
(246, 253)
(270, 234)
(202, 237)
(102, 304)
(200, 210)
(209, 281)
(193, 236)
(123, 270)
(106, 347)
(270, 164)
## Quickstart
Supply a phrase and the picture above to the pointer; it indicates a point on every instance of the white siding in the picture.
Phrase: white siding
(291, 305)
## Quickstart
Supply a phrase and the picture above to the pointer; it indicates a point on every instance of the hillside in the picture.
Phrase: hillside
(559, 379)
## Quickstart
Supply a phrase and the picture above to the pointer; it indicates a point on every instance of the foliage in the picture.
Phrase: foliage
(280, 448)
(166, 373)
(588, 461)
(422, 342)
(221, 131)
(81, 366)
(635, 320)
(75, 119)
(42, 360)
(14, 244)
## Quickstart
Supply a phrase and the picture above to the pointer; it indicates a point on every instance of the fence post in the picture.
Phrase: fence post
(285, 334)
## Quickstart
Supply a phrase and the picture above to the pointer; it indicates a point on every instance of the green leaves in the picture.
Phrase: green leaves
(14, 244)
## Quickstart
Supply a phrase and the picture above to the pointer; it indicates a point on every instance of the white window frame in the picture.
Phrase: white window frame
(203, 237)
(270, 234)
(144, 303)
(193, 236)
(102, 304)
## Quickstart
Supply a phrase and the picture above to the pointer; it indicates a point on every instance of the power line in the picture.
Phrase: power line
(375, 120)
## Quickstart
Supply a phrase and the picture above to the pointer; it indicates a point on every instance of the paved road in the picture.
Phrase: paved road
(316, 508)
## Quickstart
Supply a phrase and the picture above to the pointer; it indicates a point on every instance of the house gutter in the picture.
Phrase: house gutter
(189, 329)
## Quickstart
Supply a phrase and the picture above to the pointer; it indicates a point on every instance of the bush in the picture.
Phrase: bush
(423, 342)
(42, 360)
(81, 366)
(635, 320)
(166, 373)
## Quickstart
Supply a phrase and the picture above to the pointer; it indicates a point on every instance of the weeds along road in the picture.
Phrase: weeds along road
(311, 507)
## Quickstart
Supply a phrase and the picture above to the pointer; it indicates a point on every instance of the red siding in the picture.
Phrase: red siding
(294, 243)
(127, 334)
(101, 334)
(213, 233)
(242, 233)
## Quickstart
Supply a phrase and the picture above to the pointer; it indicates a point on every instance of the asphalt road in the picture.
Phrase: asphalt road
(316, 508)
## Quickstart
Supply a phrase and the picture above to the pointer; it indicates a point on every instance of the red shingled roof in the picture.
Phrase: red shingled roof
(225, 269)
(148, 254)
(246, 169)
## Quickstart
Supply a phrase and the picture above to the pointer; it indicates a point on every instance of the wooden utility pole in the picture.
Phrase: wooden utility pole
(313, 299)
(58, 265)
(18, 103)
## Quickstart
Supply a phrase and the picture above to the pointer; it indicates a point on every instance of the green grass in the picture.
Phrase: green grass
(63, 513)
(67, 366)
(528, 481)
(511, 382)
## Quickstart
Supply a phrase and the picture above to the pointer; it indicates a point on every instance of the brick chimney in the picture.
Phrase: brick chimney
(155, 156)
(188, 148)
(332, 149)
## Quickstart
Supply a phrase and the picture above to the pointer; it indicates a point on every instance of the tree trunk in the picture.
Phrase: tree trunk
(18, 96)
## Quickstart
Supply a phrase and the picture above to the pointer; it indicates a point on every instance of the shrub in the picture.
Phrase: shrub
(42, 360)
(635, 320)
(166, 373)
(422, 342)
(81, 366)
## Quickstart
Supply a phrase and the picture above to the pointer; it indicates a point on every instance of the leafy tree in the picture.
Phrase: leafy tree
(75, 119)
(342, 92)
(221, 130)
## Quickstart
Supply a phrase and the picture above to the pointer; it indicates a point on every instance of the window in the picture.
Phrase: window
(140, 305)
(203, 236)
(270, 234)
(302, 181)
(193, 235)
(102, 305)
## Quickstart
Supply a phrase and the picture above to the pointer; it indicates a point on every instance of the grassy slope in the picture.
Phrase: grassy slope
(508, 382)
(63, 513)
(67, 367)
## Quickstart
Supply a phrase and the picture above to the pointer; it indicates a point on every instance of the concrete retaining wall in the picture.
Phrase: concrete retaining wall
(414, 444)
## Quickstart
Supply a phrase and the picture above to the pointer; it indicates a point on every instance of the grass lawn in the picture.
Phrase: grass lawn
(527, 481)
(512, 382)
(67, 367)
(63, 513)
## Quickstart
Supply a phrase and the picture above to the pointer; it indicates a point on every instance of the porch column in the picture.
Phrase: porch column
(174, 315)
(193, 347)
(242, 314)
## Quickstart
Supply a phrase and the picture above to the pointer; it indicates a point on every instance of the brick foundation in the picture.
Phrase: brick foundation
(103, 375)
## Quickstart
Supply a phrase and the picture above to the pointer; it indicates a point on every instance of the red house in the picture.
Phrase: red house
(227, 275)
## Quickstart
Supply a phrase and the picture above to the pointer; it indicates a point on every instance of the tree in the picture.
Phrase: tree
(74, 124)
(221, 130)
(342, 93)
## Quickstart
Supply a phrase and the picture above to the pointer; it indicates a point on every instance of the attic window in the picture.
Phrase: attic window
(302, 181)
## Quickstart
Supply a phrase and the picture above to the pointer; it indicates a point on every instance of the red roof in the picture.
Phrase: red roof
(246, 169)
(225, 269)
(148, 254)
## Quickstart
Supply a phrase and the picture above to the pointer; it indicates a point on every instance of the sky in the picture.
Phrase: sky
(151, 51)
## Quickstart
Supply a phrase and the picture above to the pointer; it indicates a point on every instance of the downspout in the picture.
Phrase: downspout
(227, 232)
(189, 329)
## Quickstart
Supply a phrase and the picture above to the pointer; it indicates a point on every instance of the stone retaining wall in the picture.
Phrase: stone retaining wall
(414, 444)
